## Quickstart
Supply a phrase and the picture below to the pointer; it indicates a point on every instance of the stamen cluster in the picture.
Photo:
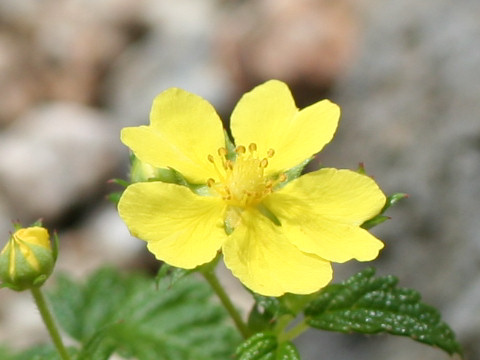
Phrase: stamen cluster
(242, 182)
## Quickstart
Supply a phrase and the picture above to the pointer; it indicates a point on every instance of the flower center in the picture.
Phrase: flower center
(242, 182)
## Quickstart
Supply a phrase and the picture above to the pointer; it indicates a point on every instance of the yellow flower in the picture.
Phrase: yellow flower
(27, 259)
(276, 235)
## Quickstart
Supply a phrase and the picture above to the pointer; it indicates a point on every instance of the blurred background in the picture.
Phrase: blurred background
(406, 74)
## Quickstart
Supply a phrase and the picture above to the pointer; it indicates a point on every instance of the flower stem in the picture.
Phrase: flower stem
(212, 279)
(49, 322)
(295, 331)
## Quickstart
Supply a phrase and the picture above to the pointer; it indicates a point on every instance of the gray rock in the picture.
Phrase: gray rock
(102, 240)
(176, 52)
(55, 157)
(411, 112)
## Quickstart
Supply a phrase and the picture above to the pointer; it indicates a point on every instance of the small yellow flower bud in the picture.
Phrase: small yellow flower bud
(27, 259)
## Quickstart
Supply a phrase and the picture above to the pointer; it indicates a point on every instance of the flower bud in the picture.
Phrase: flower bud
(27, 259)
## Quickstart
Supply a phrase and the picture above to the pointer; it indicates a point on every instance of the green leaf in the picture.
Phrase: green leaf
(5, 353)
(265, 346)
(42, 352)
(131, 316)
(369, 305)
(287, 351)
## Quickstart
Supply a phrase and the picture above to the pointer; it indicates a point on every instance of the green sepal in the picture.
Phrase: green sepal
(55, 246)
(114, 197)
(9, 286)
(259, 319)
(268, 214)
(274, 305)
(171, 273)
(392, 200)
(380, 218)
(275, 313)
(377, 220)
(39, 280)
(230, 146)
(294, 173)
(173, 176)
(265, 346)
(361, 169)
(296, 303)
(121, 182)
(38, 222)
(169, 175)
(265, 312)
(369, 305)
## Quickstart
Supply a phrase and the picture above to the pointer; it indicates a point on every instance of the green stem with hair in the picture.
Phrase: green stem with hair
(49, 322)
(208, 273)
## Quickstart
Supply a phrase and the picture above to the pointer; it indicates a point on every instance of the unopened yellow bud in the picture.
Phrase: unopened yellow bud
(27, 259)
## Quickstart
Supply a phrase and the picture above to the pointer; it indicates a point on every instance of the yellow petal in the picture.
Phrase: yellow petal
(333, 241)
(34, 235)
(323, 211)
(262, 256)
(268, 117)
(184, 129)
(183, 229)
(342, 195)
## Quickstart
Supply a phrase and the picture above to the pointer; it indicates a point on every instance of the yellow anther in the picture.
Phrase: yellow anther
(240, 149)
(222, 151)
(242, 182)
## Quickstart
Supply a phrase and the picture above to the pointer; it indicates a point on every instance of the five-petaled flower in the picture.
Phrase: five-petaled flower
(276, 235)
